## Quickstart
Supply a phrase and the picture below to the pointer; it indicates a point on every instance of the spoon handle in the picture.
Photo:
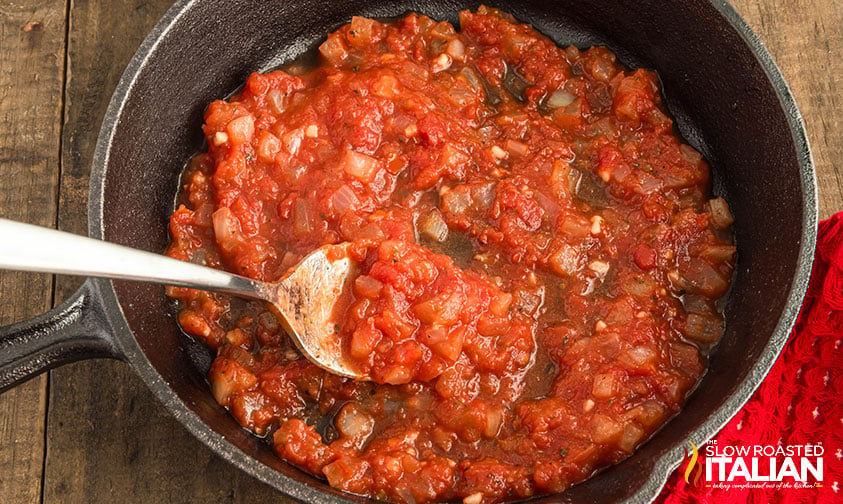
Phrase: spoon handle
(25, 247)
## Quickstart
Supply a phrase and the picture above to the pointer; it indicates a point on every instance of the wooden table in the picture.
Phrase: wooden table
(92, 432)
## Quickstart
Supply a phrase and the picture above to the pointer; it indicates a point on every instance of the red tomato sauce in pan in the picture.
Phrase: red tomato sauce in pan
(540, 257)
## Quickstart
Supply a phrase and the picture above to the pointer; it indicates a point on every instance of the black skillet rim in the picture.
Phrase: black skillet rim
(663, 466)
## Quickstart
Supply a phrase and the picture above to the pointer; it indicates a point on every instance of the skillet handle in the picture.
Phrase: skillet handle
(76, 329)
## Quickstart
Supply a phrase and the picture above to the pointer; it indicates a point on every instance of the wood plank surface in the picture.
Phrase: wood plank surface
(805, 38)
(32, 36)
(107, 439)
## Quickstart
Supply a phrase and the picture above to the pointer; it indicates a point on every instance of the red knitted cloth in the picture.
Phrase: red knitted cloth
(801, 400)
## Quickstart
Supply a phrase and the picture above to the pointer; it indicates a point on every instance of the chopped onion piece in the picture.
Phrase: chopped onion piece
(632, 435)
(599, 267)
(703, 328)
(292, 141)
(241, 130)
(528, 302)
(573, 225)
(498, 153)
(449, 345)
(333, 49)
(697, 276)
(565, 260)
(683, 355)
(443, 30)
(229, 378)
(516, 148)
(483, 195)
(603, 386)
(560, 98)
(275, 100)
(442, 63)
(603, 70)
(494, 419)
(456, 201)
(604, 429)
(565, 179)
(363, 341)
(353, 423)
(649, 414)
(549, 205)
(337, 473)
(642, 354)
(690, 154)
(515, 43)
(721, 217)
(433, 226)
(473, 79)
(397, 375)
(268, 146)
(367, 287)
(361, 31)
(475, 498)
(344, 200)
(500, 304)
(596, 224)
(640, 286)
(456, 49)
(220, 137)
(718, 253)
(304, 218)
(442, 309)
(359, 165)
(226, 228)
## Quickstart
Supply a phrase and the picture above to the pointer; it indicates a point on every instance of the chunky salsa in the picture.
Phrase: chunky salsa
(540, 258)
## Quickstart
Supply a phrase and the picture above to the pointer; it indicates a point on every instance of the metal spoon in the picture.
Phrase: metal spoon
(305, 300)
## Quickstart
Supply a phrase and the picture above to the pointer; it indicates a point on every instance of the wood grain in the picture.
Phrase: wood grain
(31, 77)
(107, 439)
(805, 38)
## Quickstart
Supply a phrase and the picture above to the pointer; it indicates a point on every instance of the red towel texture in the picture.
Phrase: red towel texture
(799, 403)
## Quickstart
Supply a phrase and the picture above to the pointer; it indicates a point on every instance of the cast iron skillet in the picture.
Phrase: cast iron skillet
(728, 97)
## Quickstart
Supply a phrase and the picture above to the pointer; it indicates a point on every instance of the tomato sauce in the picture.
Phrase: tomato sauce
(540, 257)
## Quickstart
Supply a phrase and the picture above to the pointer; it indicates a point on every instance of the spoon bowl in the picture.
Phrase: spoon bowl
(309, 302)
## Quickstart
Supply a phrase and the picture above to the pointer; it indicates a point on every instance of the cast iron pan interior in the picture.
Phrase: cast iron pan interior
(716, 88)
